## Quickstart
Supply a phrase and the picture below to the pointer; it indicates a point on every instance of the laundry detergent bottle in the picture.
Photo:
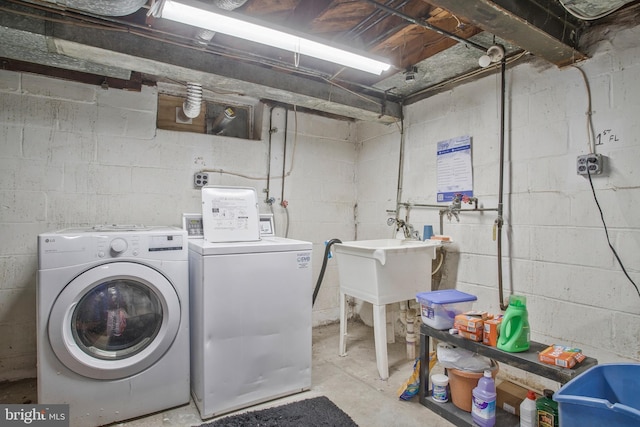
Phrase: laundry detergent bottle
(514, 330)
(483, 401)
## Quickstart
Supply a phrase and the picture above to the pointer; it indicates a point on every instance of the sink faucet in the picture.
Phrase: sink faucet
(456, 205)
(454, 208)
(407, 229)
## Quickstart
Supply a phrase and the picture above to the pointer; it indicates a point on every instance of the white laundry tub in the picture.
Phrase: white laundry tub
(384, 271)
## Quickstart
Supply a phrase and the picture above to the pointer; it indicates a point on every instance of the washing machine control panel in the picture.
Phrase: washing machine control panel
(161, 243)
(112, 247)
(134, 245)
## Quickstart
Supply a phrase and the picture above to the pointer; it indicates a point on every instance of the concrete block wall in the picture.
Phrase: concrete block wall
(77, 155)
(555, 250)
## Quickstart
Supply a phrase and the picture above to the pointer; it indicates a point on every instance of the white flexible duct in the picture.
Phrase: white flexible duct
(228, 4)
(103, 7)
(204, 36)
(191, 106)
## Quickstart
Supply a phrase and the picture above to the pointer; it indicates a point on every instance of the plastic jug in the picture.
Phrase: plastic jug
(514, 330)
(528, 412)
(483, 408)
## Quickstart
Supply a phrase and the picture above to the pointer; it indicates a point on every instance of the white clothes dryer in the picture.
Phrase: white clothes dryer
(113, 321)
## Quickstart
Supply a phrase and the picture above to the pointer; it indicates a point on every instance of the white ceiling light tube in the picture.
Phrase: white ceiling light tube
(226, 24)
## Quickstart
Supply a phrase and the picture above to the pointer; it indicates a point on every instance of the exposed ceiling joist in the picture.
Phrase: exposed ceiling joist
(128, 50)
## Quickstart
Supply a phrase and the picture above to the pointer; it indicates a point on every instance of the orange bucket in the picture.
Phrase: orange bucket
(462, 383)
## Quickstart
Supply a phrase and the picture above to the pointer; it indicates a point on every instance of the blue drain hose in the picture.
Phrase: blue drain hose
(327, 252)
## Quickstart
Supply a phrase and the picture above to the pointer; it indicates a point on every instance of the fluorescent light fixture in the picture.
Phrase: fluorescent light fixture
(180, 11)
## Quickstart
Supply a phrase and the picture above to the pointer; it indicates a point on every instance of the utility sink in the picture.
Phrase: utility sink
(384, 271)
(381, 272)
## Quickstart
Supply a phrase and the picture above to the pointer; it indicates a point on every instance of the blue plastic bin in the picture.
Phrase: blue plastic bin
(605, 395)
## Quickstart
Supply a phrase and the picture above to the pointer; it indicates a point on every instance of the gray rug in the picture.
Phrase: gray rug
(314, 412)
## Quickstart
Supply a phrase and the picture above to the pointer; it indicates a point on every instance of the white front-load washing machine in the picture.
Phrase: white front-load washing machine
(113, 321)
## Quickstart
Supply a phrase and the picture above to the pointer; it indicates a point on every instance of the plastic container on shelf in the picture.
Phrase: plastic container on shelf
(547, 410)
(514, 329)
(439, 392)
(438, 309)
(528, 412)
(603, 395)
(483, 411)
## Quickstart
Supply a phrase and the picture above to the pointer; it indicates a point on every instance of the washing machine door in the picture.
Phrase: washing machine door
(114, 320)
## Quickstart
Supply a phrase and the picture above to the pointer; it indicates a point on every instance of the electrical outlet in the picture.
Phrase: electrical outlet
(590, 164)
(200, 179)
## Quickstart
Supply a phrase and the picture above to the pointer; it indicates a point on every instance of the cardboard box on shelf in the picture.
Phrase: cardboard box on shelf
(510, 396)
(473, 336)
(491, 331)
(468, 323)
(484, 315)
(560, 355)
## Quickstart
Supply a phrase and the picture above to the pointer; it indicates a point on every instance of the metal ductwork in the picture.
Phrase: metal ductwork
(590, 10)
(222, 121)
(103, 7)
(204, 36)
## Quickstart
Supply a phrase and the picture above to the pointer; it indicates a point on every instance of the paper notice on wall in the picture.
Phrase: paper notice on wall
(454, 174)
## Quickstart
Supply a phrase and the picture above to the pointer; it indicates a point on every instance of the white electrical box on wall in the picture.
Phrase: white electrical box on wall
(590, 164)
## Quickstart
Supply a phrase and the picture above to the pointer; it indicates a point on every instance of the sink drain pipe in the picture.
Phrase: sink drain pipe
(327, 251)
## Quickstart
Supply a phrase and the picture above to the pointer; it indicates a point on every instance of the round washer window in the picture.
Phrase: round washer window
(116, 319)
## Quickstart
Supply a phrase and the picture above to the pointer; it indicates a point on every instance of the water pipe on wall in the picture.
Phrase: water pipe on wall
(499, 220)
(455, 208)
(284, 203)
(446, 210)
(268, 199)
(400, 162)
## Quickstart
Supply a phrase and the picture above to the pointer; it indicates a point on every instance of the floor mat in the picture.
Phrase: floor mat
(315, 412)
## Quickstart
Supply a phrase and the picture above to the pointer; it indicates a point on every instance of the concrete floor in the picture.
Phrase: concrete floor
(351, 382)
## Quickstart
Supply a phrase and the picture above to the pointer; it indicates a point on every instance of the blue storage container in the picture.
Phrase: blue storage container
(606, 394)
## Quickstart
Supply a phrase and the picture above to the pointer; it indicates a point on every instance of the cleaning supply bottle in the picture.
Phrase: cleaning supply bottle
(547, 410)
(528, 411)
(514, 330)
(483, 408)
